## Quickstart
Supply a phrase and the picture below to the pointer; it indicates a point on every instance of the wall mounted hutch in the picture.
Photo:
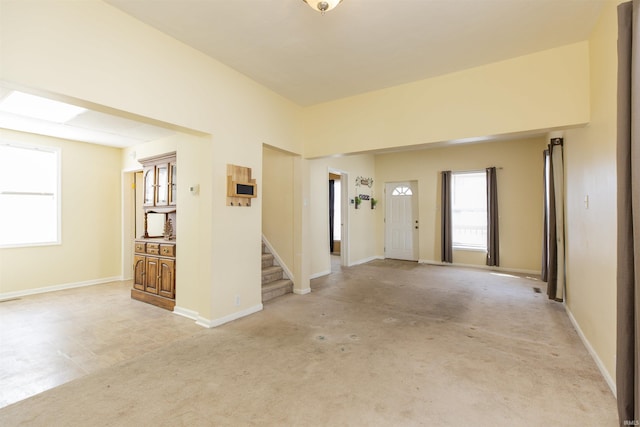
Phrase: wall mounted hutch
(154, 261)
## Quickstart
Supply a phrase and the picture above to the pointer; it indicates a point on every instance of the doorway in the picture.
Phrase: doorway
(335, 216)
(401, 220)
(338, 217)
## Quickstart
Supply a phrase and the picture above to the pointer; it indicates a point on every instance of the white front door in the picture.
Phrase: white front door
(401, 220)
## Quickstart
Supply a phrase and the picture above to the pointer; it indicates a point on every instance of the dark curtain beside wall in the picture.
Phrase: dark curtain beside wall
(628, 173)
(446, 230)
(549, 248)
(493, 235)
(553, 264)
(545, 217)
(331, 203)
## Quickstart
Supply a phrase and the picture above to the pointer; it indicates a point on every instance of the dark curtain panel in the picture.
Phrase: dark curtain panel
(545, 218)
(554, 226)
(628, 170)
(446, 230)
(493, 236)
(331, 204)
(551, 267)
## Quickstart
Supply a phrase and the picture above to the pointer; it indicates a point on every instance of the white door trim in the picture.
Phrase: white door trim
(410, 238)
(344, 214)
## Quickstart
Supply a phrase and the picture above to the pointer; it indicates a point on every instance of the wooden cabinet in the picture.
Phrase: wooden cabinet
(139, 271)
(154, 273)
(160, 175)
(154, 261)
(166, 278)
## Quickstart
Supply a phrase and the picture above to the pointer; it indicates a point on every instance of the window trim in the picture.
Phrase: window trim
(58, 192)
(463, 246)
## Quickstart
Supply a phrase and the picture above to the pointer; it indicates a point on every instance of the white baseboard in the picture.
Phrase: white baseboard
(18, 294)
(610, 382)
(360, 261)
(302, 291)
(207, 323)
(483, 267)
(365, 260)
(185, 312)
(320, 274)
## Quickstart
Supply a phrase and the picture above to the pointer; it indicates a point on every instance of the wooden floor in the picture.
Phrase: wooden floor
(50, 339)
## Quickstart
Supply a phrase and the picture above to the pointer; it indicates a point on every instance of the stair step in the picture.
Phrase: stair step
(271, 274)
(267, 260)
(276, 289)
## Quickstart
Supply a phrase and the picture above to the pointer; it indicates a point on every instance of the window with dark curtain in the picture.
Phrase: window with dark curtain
(446, 230)
(493, 235)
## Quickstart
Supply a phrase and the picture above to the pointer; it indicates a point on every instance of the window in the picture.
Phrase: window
(469, 210)
(402, 190)
(29, 195)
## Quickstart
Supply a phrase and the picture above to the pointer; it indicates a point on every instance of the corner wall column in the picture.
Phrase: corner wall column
(301, 242)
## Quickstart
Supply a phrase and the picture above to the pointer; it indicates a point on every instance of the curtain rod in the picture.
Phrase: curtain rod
(474, 170)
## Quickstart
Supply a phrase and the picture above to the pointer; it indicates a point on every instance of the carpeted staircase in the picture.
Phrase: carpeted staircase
(274, 281)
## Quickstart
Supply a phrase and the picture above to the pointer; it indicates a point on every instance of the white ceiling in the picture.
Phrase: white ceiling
(360, 46)
(88, 126)
(363, 45)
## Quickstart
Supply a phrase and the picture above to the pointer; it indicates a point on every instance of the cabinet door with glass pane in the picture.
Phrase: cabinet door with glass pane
(162, 184)
(173, 180)
(149, 180)
(159, 180)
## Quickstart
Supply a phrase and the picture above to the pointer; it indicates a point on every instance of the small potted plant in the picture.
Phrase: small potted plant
(358, 200)
(374, 202)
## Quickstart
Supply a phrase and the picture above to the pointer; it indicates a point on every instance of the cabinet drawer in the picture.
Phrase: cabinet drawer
(168, 250)
(153, 248)
(139, 247)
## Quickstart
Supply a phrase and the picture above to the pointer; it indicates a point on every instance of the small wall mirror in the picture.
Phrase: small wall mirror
(155, 224)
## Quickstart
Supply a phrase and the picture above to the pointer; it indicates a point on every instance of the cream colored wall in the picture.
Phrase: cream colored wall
(91, 52)
(590, 168)
(131, 155)
(361, 239)
(539, 91)
(90, 196)
(277, 203)
(72, 50)
(519, 196)
(192, 154)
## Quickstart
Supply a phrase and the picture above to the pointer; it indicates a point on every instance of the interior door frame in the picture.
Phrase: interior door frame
(344, 214)
(132, 214)
(415, 214)
(128, 223)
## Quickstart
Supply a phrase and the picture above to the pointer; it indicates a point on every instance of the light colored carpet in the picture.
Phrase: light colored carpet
(385, 343)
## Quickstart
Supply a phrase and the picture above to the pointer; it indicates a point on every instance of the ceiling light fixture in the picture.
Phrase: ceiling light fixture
(322, 6)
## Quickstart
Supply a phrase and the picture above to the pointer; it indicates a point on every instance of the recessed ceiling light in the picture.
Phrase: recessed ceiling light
(36, 107)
